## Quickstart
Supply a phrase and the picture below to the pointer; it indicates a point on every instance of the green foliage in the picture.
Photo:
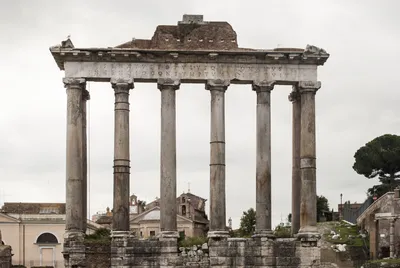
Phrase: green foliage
(322, 205)
(380, 158)
(282, 231)
(248, 223)
(192, 241)
(289, 217)
(388, 261)
(100, 235)
(349, 235)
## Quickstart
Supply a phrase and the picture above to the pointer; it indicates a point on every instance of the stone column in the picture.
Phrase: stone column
(263, 166)
(391, 237)
(308, 204)
(294, 97)
(168, 224)
(217, 89)
(121, 157)
(74, 164)
(85, 97)
(73, 247)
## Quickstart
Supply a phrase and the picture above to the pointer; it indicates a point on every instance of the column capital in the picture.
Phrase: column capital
(74, 82)
(309, 86)
(294, 95)
(217, 84)
(262, 86)
(165, 83)
(118, 83)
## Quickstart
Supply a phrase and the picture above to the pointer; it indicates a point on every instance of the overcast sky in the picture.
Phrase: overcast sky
(357, 102)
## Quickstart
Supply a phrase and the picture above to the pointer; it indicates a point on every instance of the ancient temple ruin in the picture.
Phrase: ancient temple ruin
(194, 51)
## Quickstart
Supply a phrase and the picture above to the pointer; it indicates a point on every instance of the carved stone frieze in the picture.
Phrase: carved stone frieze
(191, 72)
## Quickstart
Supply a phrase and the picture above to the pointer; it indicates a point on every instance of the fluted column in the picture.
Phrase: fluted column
(74, 155)
(168, 224)
(121, 155)
(294, 97)
(217, 89)
(308, 204)
(263, 164)
(85, 97)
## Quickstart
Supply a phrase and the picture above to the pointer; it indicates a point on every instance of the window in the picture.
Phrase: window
(152, 233)
(183, 210)
(183, 199)
(47, 238)
(141, 234)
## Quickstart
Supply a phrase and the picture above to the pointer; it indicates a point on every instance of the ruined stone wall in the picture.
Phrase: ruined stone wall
(98, 255)
(5, 256)
(231, 252)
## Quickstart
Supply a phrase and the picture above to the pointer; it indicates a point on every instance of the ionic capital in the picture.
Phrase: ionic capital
(263, 86)
(309, 86)
(79, 83)
(168, 83)
(121, 85)
(294, 95)
(217, 84)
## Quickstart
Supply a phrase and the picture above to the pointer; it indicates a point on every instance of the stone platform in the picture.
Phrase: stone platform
(225, 252)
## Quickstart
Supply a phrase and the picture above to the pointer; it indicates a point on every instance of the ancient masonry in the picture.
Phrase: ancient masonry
(194, 51)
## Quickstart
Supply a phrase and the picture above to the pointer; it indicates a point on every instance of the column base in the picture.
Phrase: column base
(264, 233)
(308, 236)
(218, 234)
(74, 250)
(115, 235)
(168, 234)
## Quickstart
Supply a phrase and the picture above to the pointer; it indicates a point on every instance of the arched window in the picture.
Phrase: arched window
(47, 238)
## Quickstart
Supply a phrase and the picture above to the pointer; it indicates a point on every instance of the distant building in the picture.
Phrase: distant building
(191, 217)
(35, 231)
(145, 219)
(377, 219)
(354, 207)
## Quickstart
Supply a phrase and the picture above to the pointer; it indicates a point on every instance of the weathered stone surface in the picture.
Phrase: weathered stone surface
(263, 159)
(191, 72)
(168, 224)
(121, 155)
(5, 256)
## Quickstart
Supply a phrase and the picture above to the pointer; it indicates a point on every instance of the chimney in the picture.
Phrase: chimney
(396, 192)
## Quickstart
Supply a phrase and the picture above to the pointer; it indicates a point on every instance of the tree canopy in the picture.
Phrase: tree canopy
(380, 158)
(322, 205)
(248, 222)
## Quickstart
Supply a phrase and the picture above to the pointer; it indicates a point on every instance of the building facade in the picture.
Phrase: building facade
(191, 217)
(35, 232)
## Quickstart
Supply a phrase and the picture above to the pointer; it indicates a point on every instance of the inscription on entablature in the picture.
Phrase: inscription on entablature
(191, 71)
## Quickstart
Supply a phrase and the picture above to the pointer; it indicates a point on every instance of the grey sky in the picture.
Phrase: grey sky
(357, 102)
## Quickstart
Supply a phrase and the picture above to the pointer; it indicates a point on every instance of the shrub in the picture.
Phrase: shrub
(101, 234)
(192, 241)
(282, 231)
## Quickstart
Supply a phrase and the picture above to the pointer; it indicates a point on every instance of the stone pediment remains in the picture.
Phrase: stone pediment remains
(192, 33)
